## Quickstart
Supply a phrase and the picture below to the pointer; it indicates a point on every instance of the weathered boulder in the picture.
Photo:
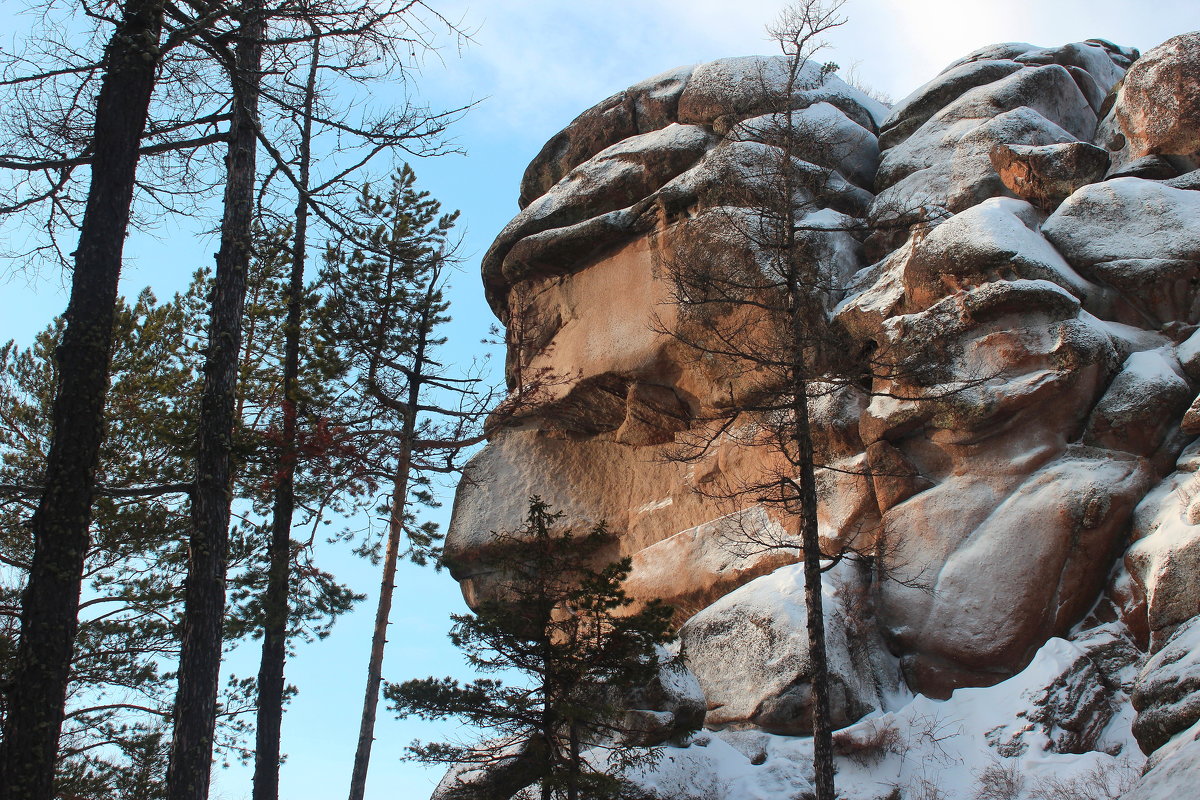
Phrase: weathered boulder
(696, 567)
(995, 238)
(1167, 692)
(1139, 236)
(613, 179)
(1158, 107)
(1048, 91)
(1173, 771)
(1091, 57)
(912, 112)
(644, 107)
(962, 175)
(723, 92)
(1164, 558)
(825, 136)
(1047, 175)
(1188, 180)
(1139, 408)
(749, 651)
(1188, 355)
(1047, 560)
(1191, 418)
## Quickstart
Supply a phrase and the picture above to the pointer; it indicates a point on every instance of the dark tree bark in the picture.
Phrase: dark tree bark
(50, 607)
(271, 683)
(813, 599)
(204, 606)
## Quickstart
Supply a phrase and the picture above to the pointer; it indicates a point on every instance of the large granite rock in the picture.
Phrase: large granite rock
(1173, 771)
(1167, 692)
(749, 651)
(1029, 352)
(1158, 107)
(1047, 175)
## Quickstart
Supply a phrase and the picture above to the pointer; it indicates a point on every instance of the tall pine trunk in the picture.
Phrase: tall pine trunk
(271, 684)
(204, 609)
(366, 730)
(50, 604)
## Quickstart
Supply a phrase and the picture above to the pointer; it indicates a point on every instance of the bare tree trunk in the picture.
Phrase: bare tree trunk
(50, 604)
(547, 734)
(573, 767)
(804, 308)
(204, 610)
(366, 731)
(271, 683)
(813, 601)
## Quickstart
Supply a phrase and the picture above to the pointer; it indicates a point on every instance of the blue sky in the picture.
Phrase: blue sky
(533, 65)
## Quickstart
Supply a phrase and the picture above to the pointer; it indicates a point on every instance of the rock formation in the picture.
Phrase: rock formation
(1022, 235)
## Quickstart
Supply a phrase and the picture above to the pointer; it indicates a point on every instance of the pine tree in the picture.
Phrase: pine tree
(37, 687)
(119, 684)
(121, 687)
(560, 618)
(386, 304)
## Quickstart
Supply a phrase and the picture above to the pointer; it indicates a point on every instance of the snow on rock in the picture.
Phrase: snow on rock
(826, 136)
(697, 566)
(671, 705)
(722, 92)
(1139, 236)
(749, 650)
(508, 771)
(1173, 772)
(960, 172)
(1140, 407)
(1092, 57)
(733, 171)
(1188, 354)
(1126, 219)
(1052, 726)
(1049, 92)
(911, 112)
(1001, 51)
(641, 108)
(1167, 691)
(1164, 559)
(613, 179)
(990, 241)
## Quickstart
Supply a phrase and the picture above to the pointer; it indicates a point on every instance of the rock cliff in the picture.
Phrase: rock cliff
(1023, 232)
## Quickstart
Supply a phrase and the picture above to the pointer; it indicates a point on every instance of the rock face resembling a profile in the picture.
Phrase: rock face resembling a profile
(1020, 236)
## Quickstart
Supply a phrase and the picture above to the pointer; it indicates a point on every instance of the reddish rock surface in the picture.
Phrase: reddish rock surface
(1044, 366)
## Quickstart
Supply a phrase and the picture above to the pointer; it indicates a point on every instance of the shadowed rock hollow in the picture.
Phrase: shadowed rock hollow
(1026, 225)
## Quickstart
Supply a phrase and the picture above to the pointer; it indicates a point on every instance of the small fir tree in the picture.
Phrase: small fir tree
(567, 625)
